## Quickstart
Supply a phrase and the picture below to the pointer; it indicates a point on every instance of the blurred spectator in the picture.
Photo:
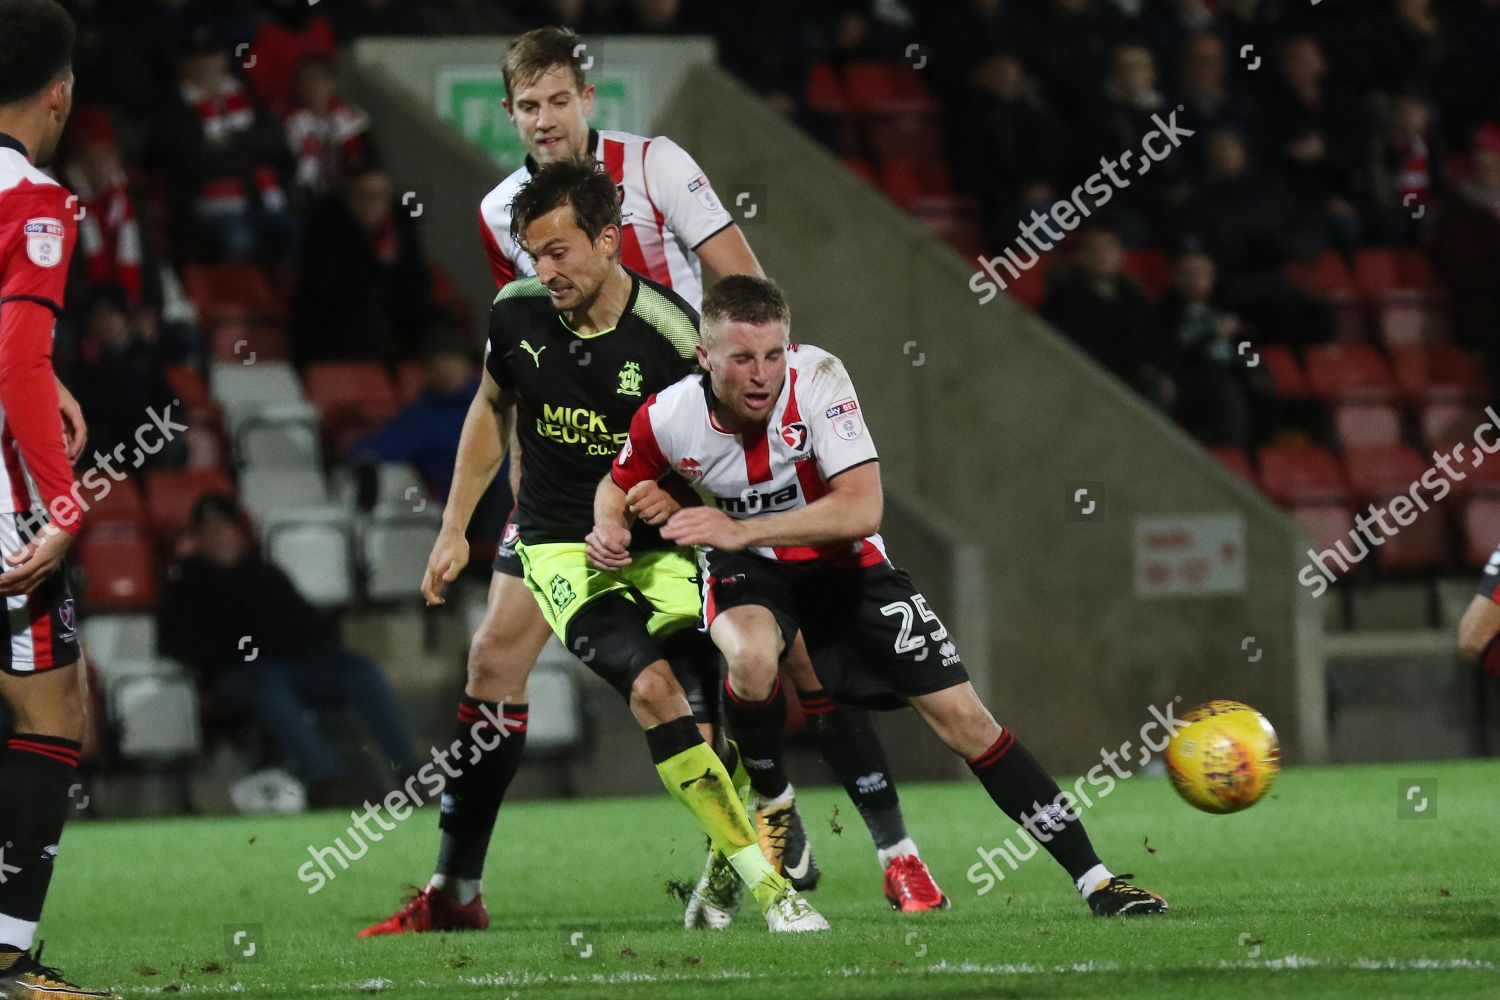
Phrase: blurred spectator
(1012, 148)
(1466, 246)
(1103, 310)
(121, 377)
(1068, 45)
(326, 133)
(225, 158)
(1169, 27)
(257, 644)
(1210, 103)
(363, 288)
(1318, 139)
(1131, 105)
(1219, 396)
(1407, 172)
(425, 435)
(1410, 46)
(109, 238)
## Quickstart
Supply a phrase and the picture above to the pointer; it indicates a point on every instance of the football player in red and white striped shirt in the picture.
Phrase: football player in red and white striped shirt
(773, 440)
(40, 679)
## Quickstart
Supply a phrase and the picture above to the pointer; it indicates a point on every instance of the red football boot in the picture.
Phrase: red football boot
(910, 888)
(430, 910)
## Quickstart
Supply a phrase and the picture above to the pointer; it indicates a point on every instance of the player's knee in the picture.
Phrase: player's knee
(61, 714)
(498, 660)
(655, 694)
(1473, 637)
(752, 672)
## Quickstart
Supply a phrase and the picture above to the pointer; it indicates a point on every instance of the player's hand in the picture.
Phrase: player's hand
(450, 554)
(706, 526)
(75, 431)
(35, 561)
(652, 504)
(608, 546)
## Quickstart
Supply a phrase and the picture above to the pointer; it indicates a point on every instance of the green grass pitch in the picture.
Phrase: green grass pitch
(1321, 890)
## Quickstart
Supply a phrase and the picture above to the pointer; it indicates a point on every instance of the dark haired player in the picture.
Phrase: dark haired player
(39, 676)
(673, 228)
(639, 336)
(779, 452)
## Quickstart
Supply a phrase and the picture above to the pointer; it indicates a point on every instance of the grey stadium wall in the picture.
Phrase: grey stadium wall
(987, 422)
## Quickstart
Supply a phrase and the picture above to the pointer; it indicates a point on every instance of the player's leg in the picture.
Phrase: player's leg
(1479, 634)
(501, 654)
(38, 766)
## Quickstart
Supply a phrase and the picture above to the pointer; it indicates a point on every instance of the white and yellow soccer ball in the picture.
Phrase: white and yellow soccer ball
(1224, 758)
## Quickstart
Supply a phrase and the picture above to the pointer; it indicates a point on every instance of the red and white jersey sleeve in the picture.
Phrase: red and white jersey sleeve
(641, 459)
(812, 435)
(506, 260)
(37, 236)
(680, 188)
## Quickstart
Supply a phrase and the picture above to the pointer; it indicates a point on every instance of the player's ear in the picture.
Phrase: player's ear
(586, 100)
(609, 238)
(702, 353)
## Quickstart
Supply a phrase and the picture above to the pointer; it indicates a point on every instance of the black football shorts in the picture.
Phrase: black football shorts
(873, 640)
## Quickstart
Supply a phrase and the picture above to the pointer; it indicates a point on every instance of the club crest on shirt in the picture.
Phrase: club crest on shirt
(691, 470)
(795, 436)
(65, 615)
(630, 379)
(44, 241)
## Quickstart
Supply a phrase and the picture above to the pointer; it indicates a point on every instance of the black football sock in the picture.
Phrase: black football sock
(35, 775)
(759, 727)
(472, 800)
(851, 748)
(1028, 795)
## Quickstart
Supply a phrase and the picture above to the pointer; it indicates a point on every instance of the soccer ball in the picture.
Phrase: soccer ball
(1225, 757)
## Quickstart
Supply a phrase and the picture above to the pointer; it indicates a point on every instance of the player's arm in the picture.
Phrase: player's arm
(481, 449)
(634, 474)
(680, 188)
(849, 512)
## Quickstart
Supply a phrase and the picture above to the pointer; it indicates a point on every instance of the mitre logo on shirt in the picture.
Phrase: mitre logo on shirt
(44, 241)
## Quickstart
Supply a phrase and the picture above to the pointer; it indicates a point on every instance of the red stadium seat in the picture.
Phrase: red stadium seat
(1030, 286)
(825, 94)
(1405, 323)
(1152, 268)
(1358, 424)
(1444, 423)
(861, 168)
(247, 342)
(887, 88)
(905, 180)
(1420, 546)
(1349, 371)
(119, 572)
(411, 379)
(121, 509)
(227, 291)
(192, 389)
(1414, 271)
(1377, 472)
(1376, 271)
(171, 493)
(1481, 530)
(205, 448)
(1291, 473)
(1237, 461)
(1286, 371)
(1326, 276)
(1327, 523)
(353, 397)
(1479, 480)
(1428, 372)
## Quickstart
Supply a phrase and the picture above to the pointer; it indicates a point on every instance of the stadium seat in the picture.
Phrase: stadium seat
(1376, 272)
(1418, 547)
(171, 494)
(1414, 271)
(1358, 424)
(1237, 462)
(1327, 523)
(905, 180)
(887, 88)
(1328, 276)
(1404, 323)
(395, 489)
(205, 448)
(1377, 472)
(282, 434)
(1481, 530)
(1430, 372)
(1152, 268)
(119, 510)
(861, 168)
(825, 92)
(315, 549)
(1444, 423)
(1349, 371)
(237, 383)
(267, 490)
(1291, 473)
(393, 552)
(240, 342)
(350, 394)
(192, 390)
(411, 379)
(224, 291)
(1030, 287)
(119, 571)
(1286, 371)
(114, 637)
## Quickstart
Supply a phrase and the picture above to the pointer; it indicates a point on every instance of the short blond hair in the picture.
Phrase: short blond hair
(537, 51)
(743, 298)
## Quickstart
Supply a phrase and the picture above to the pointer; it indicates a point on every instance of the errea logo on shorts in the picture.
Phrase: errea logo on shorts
(44, 241)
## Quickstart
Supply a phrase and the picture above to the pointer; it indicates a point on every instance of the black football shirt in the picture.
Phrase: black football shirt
(576, 393)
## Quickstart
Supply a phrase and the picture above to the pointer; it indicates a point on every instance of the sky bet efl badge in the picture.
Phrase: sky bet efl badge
(44, 242)
(846, 421)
